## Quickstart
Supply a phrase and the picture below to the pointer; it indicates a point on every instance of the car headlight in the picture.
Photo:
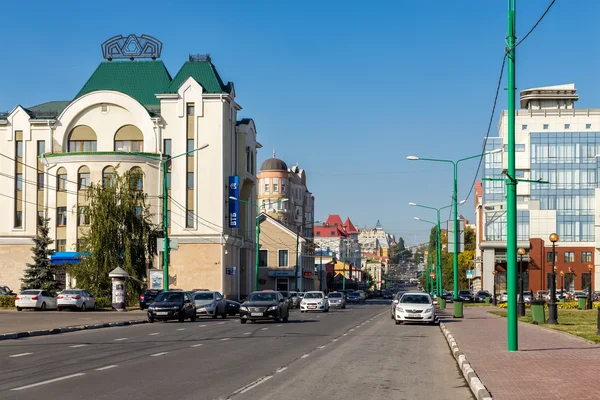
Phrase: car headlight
(243, 308)
(272, 308)
(399, 309)
(429, 310)
(303, 302)
(321, 303)
(176, 307)
(151, 308)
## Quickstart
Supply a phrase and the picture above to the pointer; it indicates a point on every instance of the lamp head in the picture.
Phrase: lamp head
(412, 204)
(521, 251)
(590, 267)
(494, 272)
(417, 218)
(460, 203)
(554, 238)
(412, 158)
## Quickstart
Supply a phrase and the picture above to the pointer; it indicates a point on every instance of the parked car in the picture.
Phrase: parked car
(5, 291)
(395, 301)
(314, 301)
(211, 304)
(503, 297)
(172, 305)
(232, 307)
(295, 300)
(368, 294)
(147, 297)
(415, 307)
(466, 296)
(579, 293)
(448, 296)
(387, 295)
(354, 297)
(377, 293)
(36, 299)
(78, 299)
(264, 306)
(288, 298)
(362, 294)
(337, 299)
(527, 296)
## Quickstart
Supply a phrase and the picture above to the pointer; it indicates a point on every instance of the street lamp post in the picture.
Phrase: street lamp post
(521, 304)
(552, 308)
(589, 299)
(455, 205)
(495, 297)
(165, 221)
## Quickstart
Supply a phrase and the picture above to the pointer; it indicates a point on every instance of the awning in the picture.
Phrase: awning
(66, 257)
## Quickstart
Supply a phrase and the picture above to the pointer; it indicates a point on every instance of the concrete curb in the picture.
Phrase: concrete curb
(44, 332)
(478, 389)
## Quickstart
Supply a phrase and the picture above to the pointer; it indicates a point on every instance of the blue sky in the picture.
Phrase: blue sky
(347, 88)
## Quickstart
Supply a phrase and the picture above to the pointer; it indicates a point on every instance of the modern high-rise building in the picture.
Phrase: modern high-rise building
(557, 143)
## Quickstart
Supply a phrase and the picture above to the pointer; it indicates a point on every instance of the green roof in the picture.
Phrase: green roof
(204, 73)
(141, 80)
(51, 109)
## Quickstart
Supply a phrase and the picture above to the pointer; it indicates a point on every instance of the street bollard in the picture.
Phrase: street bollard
(581, 303)
(487, 300)
(441, 303)
(538, 312)
(458, 308)
(561, 300)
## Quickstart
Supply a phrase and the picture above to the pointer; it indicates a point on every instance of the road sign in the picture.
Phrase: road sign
(173, 244)
(469, 273)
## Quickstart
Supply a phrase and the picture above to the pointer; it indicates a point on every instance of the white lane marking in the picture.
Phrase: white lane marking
(263, 329)
(159, 354)
(154, 334)
(321, 347)
(201, 326)
(247, 333)
(224, 339)
(20, 355)
(281, 370)
(77, 345)
(198, 345)
(220, 323)
(305, 355)
(253, 385)
(120, 339)
(335, 340)
(62, 378)
(358, 326)
(345, 334)
(107, 367)
(181, 329)
(352, 330)
(279, 325)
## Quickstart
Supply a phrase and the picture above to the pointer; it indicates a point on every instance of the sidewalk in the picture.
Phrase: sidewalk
(12, 321)
(549, 364)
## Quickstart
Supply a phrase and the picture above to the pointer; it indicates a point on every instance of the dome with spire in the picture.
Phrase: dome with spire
(273, 164)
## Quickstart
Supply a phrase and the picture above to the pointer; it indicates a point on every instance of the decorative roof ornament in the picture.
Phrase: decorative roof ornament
(199, 57)
(131, 47)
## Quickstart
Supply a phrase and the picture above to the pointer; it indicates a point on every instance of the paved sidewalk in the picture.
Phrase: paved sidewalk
(22, 321)
(549, 364)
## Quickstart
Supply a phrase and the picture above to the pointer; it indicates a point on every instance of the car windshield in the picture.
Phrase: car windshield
(70, 292)
(313, 296)
(262, 297)
(415, 299)
(464, 292)
(152, 292)
(354, 294)
(526, 293)
(30, 292)
(482, 292)
(170, 297)
(204, 296)
(333, 295)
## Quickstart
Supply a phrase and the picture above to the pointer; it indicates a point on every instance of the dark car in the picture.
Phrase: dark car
(448, 296)
(264, 306)
(377, 293)
(288, 298)
(172, 305)
(466, 296)
(232, 308)
(387, 295)
(147, 297)
(481, 295)
(5, 291)
(354, 297)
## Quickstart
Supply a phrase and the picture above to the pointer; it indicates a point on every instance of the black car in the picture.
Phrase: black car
(481, 295)
(466, 296)
(263, 306)
(377, 293)
(448, 296)
(147, 297)
(387, 295)
(172, 305)
(232, 308)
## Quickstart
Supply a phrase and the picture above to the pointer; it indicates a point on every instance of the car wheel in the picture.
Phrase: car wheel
(83, 308)
(214, 316)
(224, 315)
(43, 307)
(95, 307)
(181, 317)
(59, 309)
(398, 322)
(19, 309)
(150, 320)
(287, 318)
(193, 317)
(242, 321)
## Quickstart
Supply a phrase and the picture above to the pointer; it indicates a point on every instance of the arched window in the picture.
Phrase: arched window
(108, 175)
(61, 179)
(82, 139)
(129, 138)
(137, 174)
(83, 178)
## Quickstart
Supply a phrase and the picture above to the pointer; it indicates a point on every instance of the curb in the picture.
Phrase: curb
(55, 331)
(478, 389)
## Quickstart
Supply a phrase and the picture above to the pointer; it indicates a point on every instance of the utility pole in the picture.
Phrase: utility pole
(297, 258)
(511, 188)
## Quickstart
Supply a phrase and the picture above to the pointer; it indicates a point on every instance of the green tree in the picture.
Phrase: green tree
(464, 260)
(40, 274)
(121, 234)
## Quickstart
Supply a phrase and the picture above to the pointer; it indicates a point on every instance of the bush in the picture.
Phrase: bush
(569, 305)
(103, 302)
(7, 301)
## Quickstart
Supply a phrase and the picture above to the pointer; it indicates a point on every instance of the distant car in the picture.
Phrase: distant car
(147, 297)
(264, 306)
(172, 305)
(377, 293)
(354, 297)
(363, 295)
(503, 298)
(314, 301)
(295, 300)
(211, 304)
(466, 296)
(232, 307)
(481, 295)
(337, 299)
(35, 298)
(448, 296)
(387, 295)
(527, 296)
(579, 293)
(288, 298)
(5, 291)
(76, 299)
(415, 307)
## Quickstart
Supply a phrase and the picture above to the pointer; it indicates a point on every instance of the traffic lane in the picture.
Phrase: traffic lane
(382, 360)
(213, 368)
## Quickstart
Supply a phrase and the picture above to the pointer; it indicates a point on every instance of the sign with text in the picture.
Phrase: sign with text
(469, 273)
(156, 278)
(234, 205)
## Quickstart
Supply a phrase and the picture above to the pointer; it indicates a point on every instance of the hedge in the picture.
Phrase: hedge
(569, 305)
(7, 301)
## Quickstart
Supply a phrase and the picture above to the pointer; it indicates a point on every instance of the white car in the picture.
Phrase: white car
(415, 307)
(77, 299)
(314, 301)
(211, 304)
(35, 298)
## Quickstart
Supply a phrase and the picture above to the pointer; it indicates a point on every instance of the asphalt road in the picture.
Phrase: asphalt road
(320, 355)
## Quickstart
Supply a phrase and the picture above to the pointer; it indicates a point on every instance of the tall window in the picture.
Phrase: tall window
(19, 149)
(41, 217)
(263, 258)
(82, 139)
(108, 176)
(283, 258)
(167, 147)
(189, 220)
(168, 180)
(134, 146)
(129, 138)
(61, 216)
(83, 218)
(19, 181)
(137, 177)
(83, 178)
(586, 256)
(61, 180)
(41, 147)
(190, 147)
(61, 245)
(18, 219)
(275, 188)
(190, 180)
(549, 256)
(266, 188)
(40, 180)
(585, 280)
(569, 256)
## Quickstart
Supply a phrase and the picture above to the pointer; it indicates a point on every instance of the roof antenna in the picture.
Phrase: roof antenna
(273, 151)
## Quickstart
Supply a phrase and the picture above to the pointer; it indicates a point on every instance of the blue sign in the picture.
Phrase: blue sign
(234, 205)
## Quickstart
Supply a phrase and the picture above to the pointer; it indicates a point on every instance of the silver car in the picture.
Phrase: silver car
(295, 299)
(77, 299)
(211, 304)
(337, 299)
(395, 301)
(35, 298)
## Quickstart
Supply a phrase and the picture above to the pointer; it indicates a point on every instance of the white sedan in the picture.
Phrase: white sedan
(35, 298)
(415, 307)
(314, 301)
(77, 299)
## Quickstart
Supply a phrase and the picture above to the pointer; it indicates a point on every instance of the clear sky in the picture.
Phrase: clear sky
(346, 88)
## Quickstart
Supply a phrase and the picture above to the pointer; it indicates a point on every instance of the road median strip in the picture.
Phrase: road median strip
(67, 329)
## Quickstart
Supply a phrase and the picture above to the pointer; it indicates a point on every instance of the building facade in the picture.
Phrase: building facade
(557, 143)
(131, 114)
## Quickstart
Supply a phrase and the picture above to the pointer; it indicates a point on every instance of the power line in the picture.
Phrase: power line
(536, 24)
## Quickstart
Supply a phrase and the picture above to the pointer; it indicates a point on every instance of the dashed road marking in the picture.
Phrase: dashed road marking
(345, 334)
(201, 326)
(120, 339)
(107, 367)
(20, 355)
(321, 347)
(247, 333)
(77, 345)
(335, 340)
(263, 329)
(225, 338)
(279, 325)
(62, 378)
(197, 345)
(158, 354)
(181, 329)
(305, 355)
(281, 369)
(352, 330)
(154, 334)
(220, 323)
(253, 385)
